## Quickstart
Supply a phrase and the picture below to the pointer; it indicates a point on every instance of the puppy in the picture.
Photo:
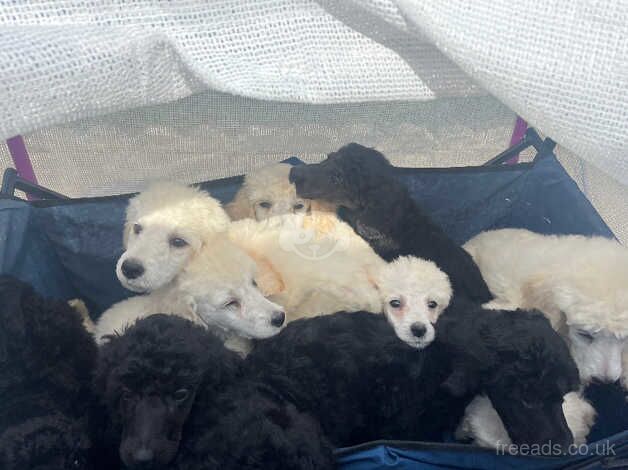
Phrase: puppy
(177, 399)
(165, 227)
(148, 377)
(267, 192)
(418, 394)
(382, 211)
(217, 289)
(578, 282)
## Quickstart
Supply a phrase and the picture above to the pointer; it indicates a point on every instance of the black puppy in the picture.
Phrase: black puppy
(148, 378)
(47, 359)
(381, 210)
(363, 384)
(518, 361)
(176, 399)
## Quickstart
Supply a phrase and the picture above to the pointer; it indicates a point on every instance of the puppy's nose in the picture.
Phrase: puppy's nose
(277, 319)
(132, 268)
(143, 455)
(418, 329)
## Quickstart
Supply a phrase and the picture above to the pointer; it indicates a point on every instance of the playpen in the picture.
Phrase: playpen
(99, 98)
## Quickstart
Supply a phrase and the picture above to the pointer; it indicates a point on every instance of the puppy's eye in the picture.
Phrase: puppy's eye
(432, 304)
(299, 206)
(586, 335)
(233, 303)
(180, 395)
(395, 303)
(137, 228)
(254, 283)
(527, 404)
(178, 242)
(265, 205)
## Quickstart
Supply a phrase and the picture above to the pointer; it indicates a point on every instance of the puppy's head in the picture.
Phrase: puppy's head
(267, 192)
(588, 305)
(165, 226)
(530, 373)
(343, 178)
(221, 288)
(148, 378)
(46, 442)
(414, 293)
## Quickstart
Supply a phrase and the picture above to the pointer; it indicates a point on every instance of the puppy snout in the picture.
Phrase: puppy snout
(418, 329)
(277, 318)
(132, 268)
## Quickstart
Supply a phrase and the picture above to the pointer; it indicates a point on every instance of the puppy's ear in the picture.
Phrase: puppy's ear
(268, 279)
(240, 207)
(541, 293)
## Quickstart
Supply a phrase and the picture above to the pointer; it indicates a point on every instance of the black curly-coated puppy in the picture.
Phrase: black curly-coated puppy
(148, 378)
(516, 359)
(381, 210)
(47, 360)
(363, 384)
(177, 399)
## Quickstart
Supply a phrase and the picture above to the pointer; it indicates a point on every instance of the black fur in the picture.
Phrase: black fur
(148, 378)
(47, 359)
(381, 210)
(363, 384)
(225, 422)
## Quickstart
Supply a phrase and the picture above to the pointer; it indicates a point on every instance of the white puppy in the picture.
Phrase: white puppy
(482, 424)
(267, 192)
(311, 264)
(216, 289)
(165, 226)
(579, 282)
(414, 292)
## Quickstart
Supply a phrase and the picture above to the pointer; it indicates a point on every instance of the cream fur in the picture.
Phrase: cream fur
(270, 185)
(316, 263)
(414, 282)
(165, 211)
(579, 282)
(202, 292)
(482, 423)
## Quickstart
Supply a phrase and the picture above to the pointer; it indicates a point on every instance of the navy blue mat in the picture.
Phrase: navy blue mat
(69, 249)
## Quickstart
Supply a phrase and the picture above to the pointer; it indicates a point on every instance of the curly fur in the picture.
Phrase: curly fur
(483, 425)
(226, 421)
(335, 358)
(382, 211)
(148, 377)
(251, 426)
(518, 361)
(156, 216)
(47, 362)
(267, 192)
(578, 282)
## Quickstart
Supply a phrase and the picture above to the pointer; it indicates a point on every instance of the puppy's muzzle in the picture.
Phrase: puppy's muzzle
(418, 329)
(132, 269)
